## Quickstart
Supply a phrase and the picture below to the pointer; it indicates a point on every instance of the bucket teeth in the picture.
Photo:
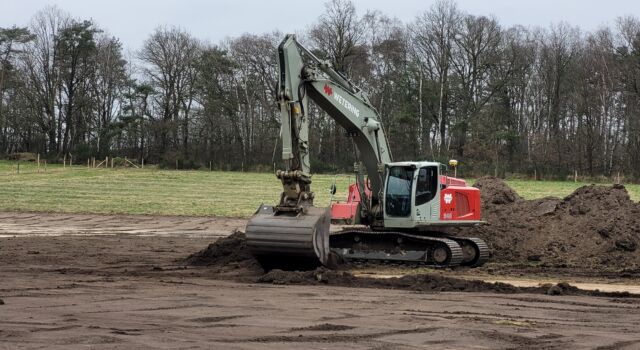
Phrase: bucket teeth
(290, 240)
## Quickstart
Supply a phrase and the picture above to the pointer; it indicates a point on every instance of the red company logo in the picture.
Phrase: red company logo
(328, 90)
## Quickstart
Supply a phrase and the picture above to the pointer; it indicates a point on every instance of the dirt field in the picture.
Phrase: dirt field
(78, 281)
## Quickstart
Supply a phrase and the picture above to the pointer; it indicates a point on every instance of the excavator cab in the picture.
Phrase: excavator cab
(411, 193)
(418, 195)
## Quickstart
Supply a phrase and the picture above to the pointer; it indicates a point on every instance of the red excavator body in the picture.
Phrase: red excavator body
(458, 202)
(346, 213)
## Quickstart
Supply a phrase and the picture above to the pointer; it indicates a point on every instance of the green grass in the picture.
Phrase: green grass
(169, 192)
(146, 191)
(9, 167)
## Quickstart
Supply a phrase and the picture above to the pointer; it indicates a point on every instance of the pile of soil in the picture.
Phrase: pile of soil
(228, 255)
(595, 227)
(420, 283)
(495, 192)
(324, 327)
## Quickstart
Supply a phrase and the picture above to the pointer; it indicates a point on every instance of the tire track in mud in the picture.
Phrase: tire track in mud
(597, 310)
(573, 302)
(328, 337)
(544, 342)
(618, 345)
(450, 315)
(214, 319)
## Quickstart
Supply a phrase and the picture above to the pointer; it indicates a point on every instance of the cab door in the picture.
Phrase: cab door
(398, 197)
(427, 195)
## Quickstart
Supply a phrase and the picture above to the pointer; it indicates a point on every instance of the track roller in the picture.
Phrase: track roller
(475, 251)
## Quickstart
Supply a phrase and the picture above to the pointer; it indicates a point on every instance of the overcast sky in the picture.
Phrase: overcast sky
(133, 20)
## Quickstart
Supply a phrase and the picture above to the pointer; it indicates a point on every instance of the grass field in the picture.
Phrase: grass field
(169, 192)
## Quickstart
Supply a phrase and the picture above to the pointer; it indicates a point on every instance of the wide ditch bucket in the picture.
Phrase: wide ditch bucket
(290, 240)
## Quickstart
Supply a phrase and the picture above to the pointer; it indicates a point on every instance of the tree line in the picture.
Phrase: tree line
(502, 100)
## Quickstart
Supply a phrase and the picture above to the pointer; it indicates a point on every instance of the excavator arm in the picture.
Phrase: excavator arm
(295, 232)
(304, 76)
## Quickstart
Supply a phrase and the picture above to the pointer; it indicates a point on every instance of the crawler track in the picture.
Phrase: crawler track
(433, 249)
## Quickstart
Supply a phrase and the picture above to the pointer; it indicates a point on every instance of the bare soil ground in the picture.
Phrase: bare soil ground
(121, 282)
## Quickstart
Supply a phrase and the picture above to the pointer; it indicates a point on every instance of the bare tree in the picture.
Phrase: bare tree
(170, 55)
(77, 48)
(338, 33)
(107, 83)
(628, 51)
(433, 36)
(477, 51)
(559, 48)
(11, 42)
(40, 63)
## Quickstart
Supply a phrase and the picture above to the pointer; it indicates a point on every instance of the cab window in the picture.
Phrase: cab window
(398, 194)
(427, 184)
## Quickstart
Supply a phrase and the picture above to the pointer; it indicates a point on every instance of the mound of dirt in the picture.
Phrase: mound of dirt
(228, 254)
(494, 191)
(595, 227)
(324, 327)
(420, 283)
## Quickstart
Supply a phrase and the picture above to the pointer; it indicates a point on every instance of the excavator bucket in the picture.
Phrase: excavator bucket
(290, 240)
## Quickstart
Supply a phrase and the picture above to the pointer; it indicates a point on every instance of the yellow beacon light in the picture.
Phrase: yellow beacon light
(454, 164)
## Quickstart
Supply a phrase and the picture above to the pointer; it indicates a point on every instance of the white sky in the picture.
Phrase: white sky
(133, 20)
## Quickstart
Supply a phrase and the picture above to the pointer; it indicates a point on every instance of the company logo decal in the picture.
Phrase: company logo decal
(341, 100)
(448, 198)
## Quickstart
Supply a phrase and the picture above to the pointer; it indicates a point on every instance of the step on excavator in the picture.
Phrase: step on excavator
(399, 211)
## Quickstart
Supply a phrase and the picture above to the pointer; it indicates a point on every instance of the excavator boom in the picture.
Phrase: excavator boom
(295, 232)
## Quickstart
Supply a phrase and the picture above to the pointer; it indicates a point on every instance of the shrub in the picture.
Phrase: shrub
(24, 156)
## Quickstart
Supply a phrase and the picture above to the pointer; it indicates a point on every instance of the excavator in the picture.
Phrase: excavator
(402, 209)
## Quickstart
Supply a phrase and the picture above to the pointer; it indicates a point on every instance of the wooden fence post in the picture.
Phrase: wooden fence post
(88, 163)
(111, 162)
(209, 165)
(38, 162)
(131, 163)
(142, 162)
(64, 161)
(45, 165)
(575, 176)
